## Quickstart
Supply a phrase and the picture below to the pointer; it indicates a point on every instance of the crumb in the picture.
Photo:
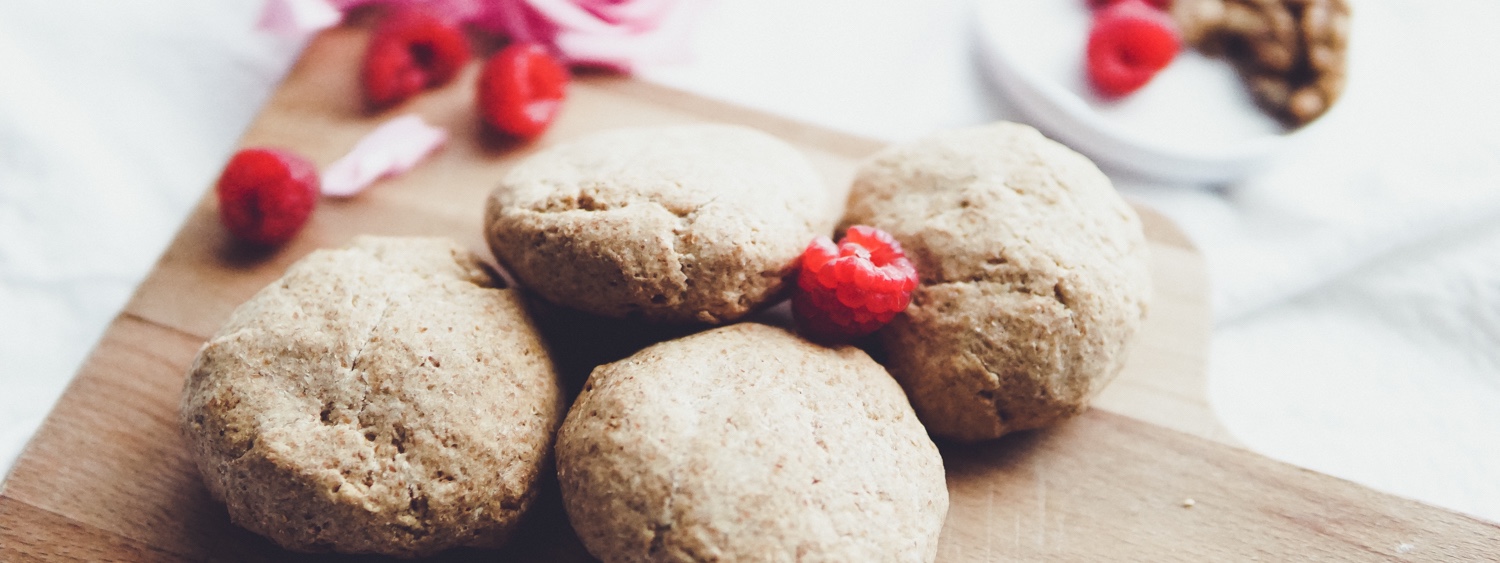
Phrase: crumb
(1189, 503)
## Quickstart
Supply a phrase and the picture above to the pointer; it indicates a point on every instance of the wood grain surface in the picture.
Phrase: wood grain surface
(107, 477)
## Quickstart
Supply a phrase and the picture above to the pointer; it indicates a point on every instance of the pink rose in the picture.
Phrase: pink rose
(457, 11)
(615, 34)
(303, 17)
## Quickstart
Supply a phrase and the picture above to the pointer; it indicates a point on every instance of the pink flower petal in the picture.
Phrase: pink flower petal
(394, 147)
(623, 50)
(616, 34)
(298, 17)
(611, 52)
(302, 17)
(455, 11)
(566, 14)
(639, 15)
(515, 19)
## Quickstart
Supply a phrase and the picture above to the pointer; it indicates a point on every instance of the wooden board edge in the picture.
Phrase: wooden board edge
(30, 533)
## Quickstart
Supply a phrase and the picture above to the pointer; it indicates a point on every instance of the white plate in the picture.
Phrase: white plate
(1194, 122)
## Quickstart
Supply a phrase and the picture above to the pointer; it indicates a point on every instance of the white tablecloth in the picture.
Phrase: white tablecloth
(1357, 281)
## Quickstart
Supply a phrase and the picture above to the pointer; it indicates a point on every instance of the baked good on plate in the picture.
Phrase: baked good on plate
(380, 398)
(1291, 53)
(1033, 276)
(747, 443)
(695, 223)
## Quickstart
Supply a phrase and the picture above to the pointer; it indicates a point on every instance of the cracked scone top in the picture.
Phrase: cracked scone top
(381, 398)
(697, 223)
(747, 443)
(1033, 276)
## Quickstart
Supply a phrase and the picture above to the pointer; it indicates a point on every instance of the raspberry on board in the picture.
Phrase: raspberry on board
(411, 51)
(266, 195)
(852, 289)
(521, 90)
(1130, 42)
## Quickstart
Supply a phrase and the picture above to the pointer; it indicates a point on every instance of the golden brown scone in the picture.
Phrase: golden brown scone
(747, 443)
(381, 398)
(698, 223)
(1033, 277)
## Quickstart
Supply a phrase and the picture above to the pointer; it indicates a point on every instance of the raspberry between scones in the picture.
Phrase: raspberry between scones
(853, 288)
(682, 224)
(1033, 277)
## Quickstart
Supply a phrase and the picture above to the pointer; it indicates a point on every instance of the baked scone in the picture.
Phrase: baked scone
(381, 398)
(747, 443)
(1033, 273)
(695, 223)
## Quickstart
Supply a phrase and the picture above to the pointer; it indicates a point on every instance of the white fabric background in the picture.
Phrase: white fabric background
(1357, 280)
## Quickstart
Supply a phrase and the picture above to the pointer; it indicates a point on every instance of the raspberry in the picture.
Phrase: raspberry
(1130, 43)
(1158, 4)
(852, 289)
(266, 195)
(521, 89)
(411, 51)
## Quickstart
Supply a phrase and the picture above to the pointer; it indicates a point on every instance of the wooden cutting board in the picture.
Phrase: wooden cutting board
(1147, 476)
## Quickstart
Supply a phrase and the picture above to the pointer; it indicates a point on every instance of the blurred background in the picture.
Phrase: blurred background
(1356, 273)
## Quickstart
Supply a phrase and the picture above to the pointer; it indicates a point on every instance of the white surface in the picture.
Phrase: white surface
(1357, 279)
(114, 117)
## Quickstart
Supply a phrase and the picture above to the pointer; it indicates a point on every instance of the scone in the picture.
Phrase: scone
(747, 443)
(685, 224)
(382, 398)
(1033, 277)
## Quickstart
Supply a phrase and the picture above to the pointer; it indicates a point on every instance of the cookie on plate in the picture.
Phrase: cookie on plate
(381, 398)
(1033, 273)
(748, 443)
(683, 224)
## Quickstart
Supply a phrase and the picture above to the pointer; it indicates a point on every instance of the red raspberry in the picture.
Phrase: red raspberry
(411, 51)
(266, 195)
(1130, 43)
(521, 89)
(1159, 4)
(852, 289)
